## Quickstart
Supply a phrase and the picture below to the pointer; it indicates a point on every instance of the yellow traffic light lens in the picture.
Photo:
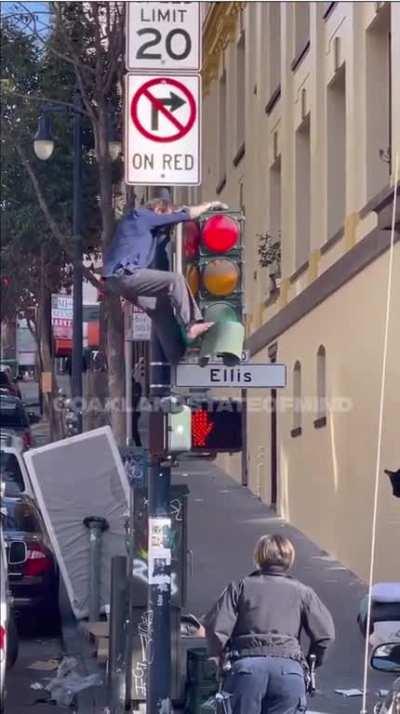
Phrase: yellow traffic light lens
(193, 278)
(221, 276)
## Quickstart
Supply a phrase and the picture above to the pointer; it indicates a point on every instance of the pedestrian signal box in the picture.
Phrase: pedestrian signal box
(217, 427)
(213, 268)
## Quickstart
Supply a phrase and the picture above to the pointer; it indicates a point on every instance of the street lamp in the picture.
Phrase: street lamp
(114, 141)
(44, 146)
(43, 142)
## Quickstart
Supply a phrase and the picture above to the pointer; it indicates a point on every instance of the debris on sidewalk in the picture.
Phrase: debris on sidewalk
(349, 692)
(68, 682)
(44, 665)
(36, 685)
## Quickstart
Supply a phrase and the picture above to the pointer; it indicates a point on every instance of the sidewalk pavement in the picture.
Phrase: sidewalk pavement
(224, 521)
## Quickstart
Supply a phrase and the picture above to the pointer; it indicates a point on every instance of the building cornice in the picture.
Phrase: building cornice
(219, 30)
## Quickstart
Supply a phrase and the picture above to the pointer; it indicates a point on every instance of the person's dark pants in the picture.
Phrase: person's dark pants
(266, 685)
(135, 428)
(151, 289)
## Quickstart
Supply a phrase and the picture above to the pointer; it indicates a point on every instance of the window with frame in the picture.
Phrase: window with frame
(222, 126)
(274, 42)
(336, 152)
(320, 421)
(303, 193)
(297, 400)
(301, 30)
(240, 91)
(379, 102)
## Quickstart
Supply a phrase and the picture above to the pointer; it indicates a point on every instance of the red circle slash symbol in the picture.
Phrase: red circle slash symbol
(159, 106)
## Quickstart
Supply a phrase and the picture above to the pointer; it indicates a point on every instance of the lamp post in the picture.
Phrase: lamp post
(43, 145)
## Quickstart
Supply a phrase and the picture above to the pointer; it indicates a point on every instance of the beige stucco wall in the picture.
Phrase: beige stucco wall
(326, 476)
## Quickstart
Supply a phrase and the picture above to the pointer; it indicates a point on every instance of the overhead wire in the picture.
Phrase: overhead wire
(380, 436)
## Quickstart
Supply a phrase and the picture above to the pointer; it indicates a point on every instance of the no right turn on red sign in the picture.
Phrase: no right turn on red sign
(163, 130)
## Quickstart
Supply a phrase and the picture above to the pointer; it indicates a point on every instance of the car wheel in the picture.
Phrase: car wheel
(12, 642)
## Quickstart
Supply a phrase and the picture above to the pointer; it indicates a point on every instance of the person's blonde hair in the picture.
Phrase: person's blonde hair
(274, 549)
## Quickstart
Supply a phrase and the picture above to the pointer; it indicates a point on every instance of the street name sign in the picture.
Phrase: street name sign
(245, 376)
(162, 143)
(163, 37)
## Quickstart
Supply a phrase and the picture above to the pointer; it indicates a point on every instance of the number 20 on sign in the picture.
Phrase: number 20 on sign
(163, 37)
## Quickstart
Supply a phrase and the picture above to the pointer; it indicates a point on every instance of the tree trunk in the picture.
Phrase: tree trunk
(46, 358)
(115, 325)
(9, 339)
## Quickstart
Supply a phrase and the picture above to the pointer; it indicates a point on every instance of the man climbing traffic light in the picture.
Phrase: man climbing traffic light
(128, 269)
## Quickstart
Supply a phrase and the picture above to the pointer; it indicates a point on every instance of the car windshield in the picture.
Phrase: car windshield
(12, 414)
(20, 517)
(10, 472)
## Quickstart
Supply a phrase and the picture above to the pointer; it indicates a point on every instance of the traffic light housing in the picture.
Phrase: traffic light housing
(179, 431)
(213, 268)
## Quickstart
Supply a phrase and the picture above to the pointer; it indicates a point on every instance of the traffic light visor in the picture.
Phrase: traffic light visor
(220, 233)
(193, 278)
(191, 240)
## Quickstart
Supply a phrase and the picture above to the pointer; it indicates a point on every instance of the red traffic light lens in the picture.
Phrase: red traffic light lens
(191, 240)
(220, 233)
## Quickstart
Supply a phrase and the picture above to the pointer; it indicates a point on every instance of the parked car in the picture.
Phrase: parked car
(8, 632)
(32, 567)
(7, 385)
(386, 658)
(13, 472)
(15, 419)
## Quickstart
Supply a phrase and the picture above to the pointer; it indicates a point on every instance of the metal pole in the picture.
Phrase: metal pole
(159, 550)
(117, 646)
(128, 389)
(179, 248)
(96, 525)
(77, 318)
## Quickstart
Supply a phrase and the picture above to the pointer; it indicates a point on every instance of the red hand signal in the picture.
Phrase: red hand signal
(202, 427)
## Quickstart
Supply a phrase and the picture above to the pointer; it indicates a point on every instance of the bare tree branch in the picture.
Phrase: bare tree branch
(58, 235)
(44, 100)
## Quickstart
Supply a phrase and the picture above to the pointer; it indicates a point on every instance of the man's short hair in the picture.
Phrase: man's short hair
(162, 204)
(274, 549)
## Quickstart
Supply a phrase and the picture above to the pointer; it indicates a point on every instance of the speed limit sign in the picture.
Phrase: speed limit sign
(163, 36)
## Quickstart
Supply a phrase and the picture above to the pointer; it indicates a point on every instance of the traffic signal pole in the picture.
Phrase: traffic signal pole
(158, 698)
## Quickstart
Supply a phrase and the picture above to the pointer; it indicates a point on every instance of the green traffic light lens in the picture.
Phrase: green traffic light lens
(221, 312)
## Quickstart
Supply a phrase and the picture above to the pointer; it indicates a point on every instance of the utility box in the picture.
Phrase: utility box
(140, 616)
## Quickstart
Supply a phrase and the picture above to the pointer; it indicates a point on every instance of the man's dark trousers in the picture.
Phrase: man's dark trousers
(266, 685)
(153, 289)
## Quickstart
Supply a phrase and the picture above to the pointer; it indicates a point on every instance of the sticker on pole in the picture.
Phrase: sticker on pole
(162, 130)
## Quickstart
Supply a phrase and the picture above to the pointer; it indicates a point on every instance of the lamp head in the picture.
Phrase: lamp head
(43, 142)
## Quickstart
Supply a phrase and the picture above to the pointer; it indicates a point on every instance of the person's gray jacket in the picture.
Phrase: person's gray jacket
(264, 614)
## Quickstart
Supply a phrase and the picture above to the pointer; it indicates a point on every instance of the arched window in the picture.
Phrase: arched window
(296, 431)
(321, 388)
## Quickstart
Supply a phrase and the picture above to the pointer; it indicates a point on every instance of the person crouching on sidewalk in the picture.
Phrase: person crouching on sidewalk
(256, 625)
